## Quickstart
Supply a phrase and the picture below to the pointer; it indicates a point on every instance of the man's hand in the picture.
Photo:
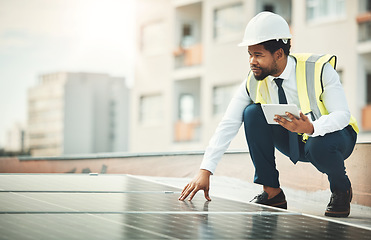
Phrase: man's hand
(301, 125)
(200, 182)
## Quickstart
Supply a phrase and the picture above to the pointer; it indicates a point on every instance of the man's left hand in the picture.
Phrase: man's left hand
(301, 125)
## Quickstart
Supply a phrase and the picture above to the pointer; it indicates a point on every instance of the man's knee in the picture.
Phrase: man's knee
(319, 146)
(326, 154)
(332, 144)
(252, 114)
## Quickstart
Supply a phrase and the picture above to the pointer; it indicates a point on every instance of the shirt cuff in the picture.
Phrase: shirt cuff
(315, 130)
(209, 166)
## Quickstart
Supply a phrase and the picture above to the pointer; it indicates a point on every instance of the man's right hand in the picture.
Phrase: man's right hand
(200, 182)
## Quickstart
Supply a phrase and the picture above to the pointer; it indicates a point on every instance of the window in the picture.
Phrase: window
(186, 108)
(364, 21)
(364, 33)
(228, 22)
(153, 42)
(222, 96)
(368, 87)
(187, 122)
(151, 109)
(325, 10)
(364, 6)
(268, 8)
(187, 36)
(281, 7)
(187, 127)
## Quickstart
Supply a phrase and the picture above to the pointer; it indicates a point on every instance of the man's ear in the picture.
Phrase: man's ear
(279, 54)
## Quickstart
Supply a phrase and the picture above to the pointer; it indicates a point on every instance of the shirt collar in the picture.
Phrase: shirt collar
(287, 72)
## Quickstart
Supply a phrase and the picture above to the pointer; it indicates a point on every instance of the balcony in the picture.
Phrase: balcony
(187, 127)
(188, 29)
(366, 118)
(187, 131)
(189, 56)
(364, 32)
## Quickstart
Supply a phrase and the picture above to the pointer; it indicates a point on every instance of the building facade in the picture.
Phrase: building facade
(188, 64)
(77, 113)
(15, 139)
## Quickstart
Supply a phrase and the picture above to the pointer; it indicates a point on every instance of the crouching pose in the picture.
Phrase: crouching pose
(324, 135)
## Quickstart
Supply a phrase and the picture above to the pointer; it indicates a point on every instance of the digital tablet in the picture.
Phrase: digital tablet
(270, 110)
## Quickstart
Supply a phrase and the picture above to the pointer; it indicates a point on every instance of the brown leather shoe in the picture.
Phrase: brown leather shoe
(277, 201)
(339, 205)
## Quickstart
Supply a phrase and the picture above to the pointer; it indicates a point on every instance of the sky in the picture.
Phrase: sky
(45, 36)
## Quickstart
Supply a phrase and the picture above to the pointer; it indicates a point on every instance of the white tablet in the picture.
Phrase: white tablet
(270, 110)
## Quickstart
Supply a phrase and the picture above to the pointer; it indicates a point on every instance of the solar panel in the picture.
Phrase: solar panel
(125, 207)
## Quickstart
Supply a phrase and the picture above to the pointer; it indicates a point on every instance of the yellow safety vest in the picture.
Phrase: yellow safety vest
(309, 69)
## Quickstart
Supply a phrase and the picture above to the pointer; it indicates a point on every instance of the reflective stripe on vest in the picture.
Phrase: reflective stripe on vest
(309, 69)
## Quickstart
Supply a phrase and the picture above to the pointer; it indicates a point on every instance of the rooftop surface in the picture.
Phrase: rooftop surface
(110, 206)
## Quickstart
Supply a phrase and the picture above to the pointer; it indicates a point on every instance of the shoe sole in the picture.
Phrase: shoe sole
(282, 205)
(337, 214)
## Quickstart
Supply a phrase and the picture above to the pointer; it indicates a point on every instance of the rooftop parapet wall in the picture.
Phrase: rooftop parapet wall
(302, 176)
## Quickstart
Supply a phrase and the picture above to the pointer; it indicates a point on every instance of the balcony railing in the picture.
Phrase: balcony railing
(187, 132)
(366, 118)
(189, 56)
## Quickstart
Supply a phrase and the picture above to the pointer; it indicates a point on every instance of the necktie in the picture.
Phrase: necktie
(281, 93)
(293, 137)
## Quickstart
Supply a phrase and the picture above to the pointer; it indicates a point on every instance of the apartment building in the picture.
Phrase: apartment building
(77, 113)
(188, 63)
(15, 138)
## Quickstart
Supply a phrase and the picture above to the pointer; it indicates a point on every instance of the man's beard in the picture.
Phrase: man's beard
(265, 72)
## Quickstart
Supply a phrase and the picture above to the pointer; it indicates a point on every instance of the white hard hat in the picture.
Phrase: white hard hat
(263, 27)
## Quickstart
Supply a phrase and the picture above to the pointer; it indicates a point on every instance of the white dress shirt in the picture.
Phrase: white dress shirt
(333, 97)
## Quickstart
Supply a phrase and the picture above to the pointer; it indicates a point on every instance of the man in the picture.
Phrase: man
(325, 134)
